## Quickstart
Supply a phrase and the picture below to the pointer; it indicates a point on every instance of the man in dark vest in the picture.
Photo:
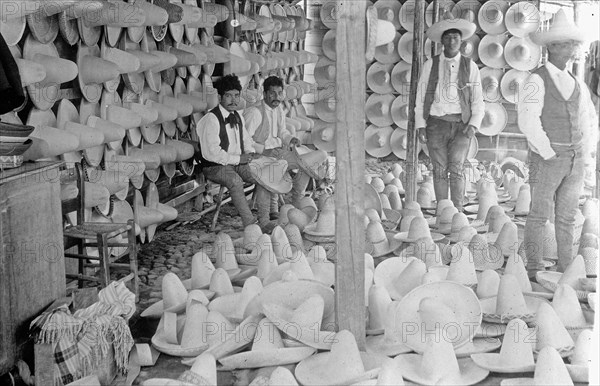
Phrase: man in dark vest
(449, 107)
(266, 123)
(226, 148)
(556, 114)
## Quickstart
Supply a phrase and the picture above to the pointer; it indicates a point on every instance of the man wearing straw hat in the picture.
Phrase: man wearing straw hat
(449, 107)
(556, 114)
(266, 125)
(226, 148)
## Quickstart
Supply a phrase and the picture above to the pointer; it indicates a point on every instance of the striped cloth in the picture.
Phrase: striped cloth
(81, 341)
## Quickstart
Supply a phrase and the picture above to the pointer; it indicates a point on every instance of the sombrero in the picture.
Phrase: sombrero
(371, 198)
(407, 15)
(67, 118)
(390, 274)
(325, 109)
(44, 24)
(324, 227)
(144, 215)
(561, 29)
(328, 44)
(490, 83)
(462, 265)
(470, 48)
(468, 10)
(551, 331)
(328, 14)
(47, 140)
(522, 54)
(377, 140)
(405, 44)
(398, 142)
(312, 162)
(344, 364)
(174, 297)
(549, 369)
(511, 84)
(155, 17)
(491, 50)
(444, 6)
(389, 10)
(232, 306)
(271, 174)
(516, 353)
(183, 109)
(379, 78)
(418, 228)
(491, 16)
(389, 342)
(401, 74)
(378, 108)
(126, 63)
(388, 53)
(522, 18)
(43, 94)
(378, 242)
(458, 308)
(579, 367)
(323, 136)
(267, 26)
(12, 27)
(435, 32)
(569, 311)
(93, 71)
(111, 110)
(494, 120)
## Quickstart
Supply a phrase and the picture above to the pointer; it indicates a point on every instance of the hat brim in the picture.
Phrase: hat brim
(388, 270)
(371, 147)
(488, 307)
(498, 110)
(376, 86)
(500, 364)
(159, 341)
(550, 279)
(477, 346)
(470, 373)
(526, 64)
(461, 299)
(314, 370)
(403, 237)
(557, 35)
(490, 330)
(485, 57)
(378, 344)
(328, 146)
(466, 28)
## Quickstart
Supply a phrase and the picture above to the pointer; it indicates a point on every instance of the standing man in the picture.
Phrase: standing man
(449, 107)
(556, 114)
(266, 125)
(226, 148)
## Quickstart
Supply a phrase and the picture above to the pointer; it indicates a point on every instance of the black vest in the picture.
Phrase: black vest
(202, 162)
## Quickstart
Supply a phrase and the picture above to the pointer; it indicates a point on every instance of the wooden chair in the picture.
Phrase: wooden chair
(79, 235)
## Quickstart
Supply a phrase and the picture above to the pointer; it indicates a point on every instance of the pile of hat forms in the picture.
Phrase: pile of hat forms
(266, 302)
(119, 85)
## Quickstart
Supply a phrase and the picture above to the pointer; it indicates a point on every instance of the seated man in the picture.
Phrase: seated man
(226, 148)
(266, 124)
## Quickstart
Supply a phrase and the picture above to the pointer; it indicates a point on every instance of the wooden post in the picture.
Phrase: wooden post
(350, 153)
(417, 62)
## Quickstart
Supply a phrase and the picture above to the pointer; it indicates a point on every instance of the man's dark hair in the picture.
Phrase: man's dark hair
(228, 83)
(272, 81)
(452, 31)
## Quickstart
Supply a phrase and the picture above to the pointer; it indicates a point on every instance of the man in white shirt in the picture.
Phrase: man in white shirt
(556, 114)
(449, 107)
(226, 148)
(266, 124)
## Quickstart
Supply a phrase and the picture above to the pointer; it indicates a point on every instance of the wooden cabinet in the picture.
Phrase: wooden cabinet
(32, 270)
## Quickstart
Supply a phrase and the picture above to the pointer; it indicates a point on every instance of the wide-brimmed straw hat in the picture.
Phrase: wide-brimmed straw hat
(271, 174)
(470, 47)
(401, 74)
(47, 139)
(549, 369)
(444, 6)
(468, 10)
(378, 108)
(491, 16)
(516, 353)
(388, 53)
(512, 84)
(494, 120)
(522, 54)
(400, 112)
(522, 18)
(491, 50)
(580, 362)
(567, 307)
(561, 29)
(551, 331)
(323, 136)
(398, 142)
(389, 10)
(390, 343)
(344, 364)
(490, 83)
(379, 77)
(441, 303)
(377, 140)
(447, 22)
(399, 275)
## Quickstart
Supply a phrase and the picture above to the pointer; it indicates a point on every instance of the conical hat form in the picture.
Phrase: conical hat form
(409, 278)
(516, 348)
(395, 200)
(516, 267)
(523, 199)
(224, 252)
(445, 216)
(280, 242)
(489, 282)
(378, 184)
(147, 114)
(299, 264)
(574, 272)
(115, 15)
(203, 371)
(508, 239)
(196, 296)
(443, 204)
(111, 131)
(493, 213)
(30, 71)
(496, 223)
(550, 369)
(202, 270)
(193, 336)
(376, 236)
(433, 313)
(298, 217)
(591, 225)
(428, 251)
(266, 263)
(252, 232)
(482, 257)
(50, 142)
(418, 228)
(372, 215)
(125, 61)
(57, 70)
(583, 349)
(222, 326)
(93, 69)
(405, 222)
(486, 201)
(385, 201)
(294, 237)
(459, 220)
(114, 181)
(124, 117)
(567, 307)
(150, 159)
(510, 297)
(220, 283)
(379, 301)
(551, 331)
(466, 234)
(424, 197)
(183, 149)
(173, 291)
(462, 267)
(95, 195)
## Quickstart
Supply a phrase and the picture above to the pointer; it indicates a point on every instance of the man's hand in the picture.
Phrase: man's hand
(422, 135)
(469, 131)
(294, 142)
(247, 157)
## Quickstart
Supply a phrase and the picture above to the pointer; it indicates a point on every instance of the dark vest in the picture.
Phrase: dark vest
(222, 136)
(560, 117)
(464, 92)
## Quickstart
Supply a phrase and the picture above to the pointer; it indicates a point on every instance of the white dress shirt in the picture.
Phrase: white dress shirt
(279, 134)
(531, 102)
(446, 99)
(210, 143)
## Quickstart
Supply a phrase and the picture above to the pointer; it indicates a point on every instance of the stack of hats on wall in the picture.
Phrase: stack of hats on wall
(120, 85)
